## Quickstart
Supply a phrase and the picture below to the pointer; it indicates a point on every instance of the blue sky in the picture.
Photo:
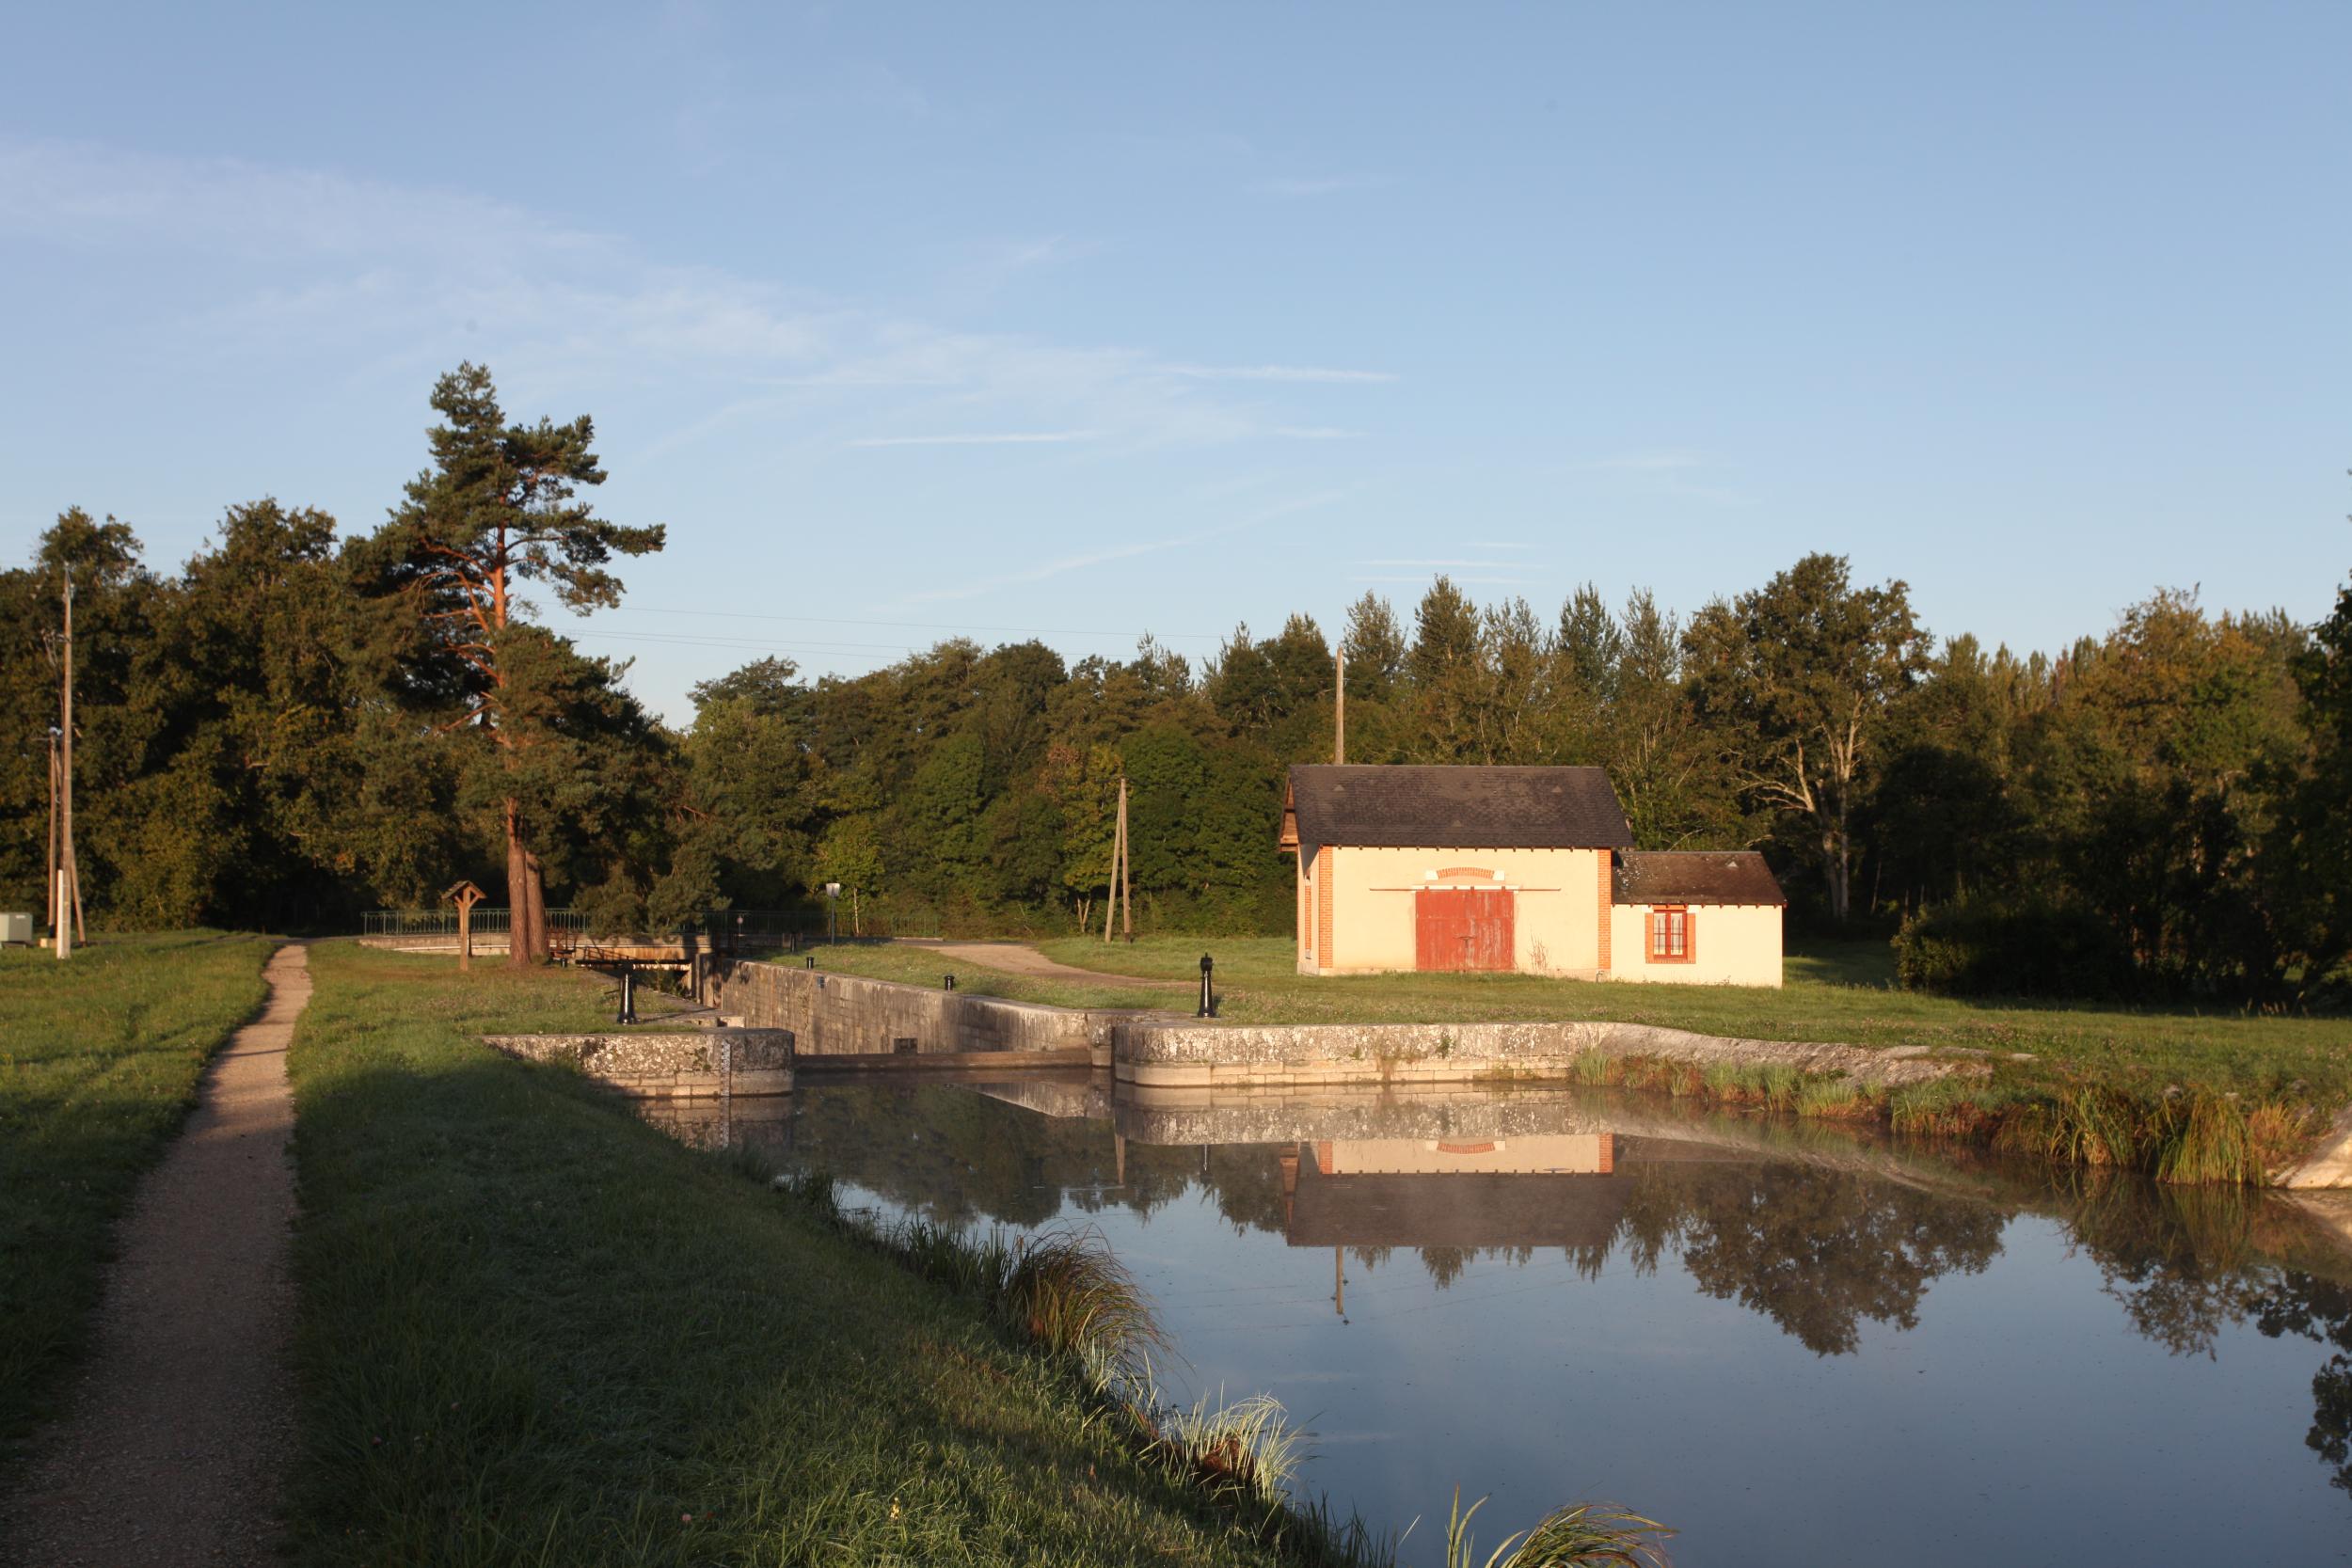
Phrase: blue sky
(1094, 320)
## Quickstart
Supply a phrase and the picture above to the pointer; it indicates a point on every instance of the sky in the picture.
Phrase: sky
(1089, 321)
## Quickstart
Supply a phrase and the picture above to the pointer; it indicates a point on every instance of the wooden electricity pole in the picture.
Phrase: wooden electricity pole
(49, 882)
(68, 869)
(1338, 713)
(1122, 895)
(1126, 866)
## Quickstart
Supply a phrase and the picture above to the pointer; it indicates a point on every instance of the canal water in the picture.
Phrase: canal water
(1796, 1344)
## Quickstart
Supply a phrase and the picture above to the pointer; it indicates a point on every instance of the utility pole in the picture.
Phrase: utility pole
(1120, 889)
(68, 870)
(49, 882)
(1338, 713)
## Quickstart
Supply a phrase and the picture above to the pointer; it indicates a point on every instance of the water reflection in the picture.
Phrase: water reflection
(1835, 1238)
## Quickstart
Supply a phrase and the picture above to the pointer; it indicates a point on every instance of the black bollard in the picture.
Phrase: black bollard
(950, 985)
(1208, 995)
(628, 996)
(812, 960)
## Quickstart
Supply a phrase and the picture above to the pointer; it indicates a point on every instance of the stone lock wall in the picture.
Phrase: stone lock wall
(1180, 1056)
(847, 1015)
(688, 1063)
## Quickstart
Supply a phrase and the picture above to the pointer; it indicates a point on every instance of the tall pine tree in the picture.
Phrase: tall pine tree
(499, 508)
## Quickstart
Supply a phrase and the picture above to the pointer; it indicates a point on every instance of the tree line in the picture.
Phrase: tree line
(297, 725)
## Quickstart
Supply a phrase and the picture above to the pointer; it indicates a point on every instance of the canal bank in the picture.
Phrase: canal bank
(2021, 1102)
(532, 1328)
(1794, 1340)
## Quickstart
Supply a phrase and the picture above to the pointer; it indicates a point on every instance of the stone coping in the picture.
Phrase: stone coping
(1195, 1055)
(2327, 1166)
(686, 1063)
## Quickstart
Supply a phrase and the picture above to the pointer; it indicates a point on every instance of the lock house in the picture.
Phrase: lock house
(1525, 870)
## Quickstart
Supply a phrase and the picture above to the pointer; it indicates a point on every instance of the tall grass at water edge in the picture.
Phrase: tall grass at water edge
(1064, 1290)
(2183, 1137)
(1583, 1535)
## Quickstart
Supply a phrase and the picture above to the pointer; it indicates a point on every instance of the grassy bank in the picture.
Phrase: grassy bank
(533, 1330)
(2175, 1092)
(99, 1060)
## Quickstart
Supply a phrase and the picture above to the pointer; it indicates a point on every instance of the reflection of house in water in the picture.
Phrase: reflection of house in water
(1542, 1190)
(1550, 1189)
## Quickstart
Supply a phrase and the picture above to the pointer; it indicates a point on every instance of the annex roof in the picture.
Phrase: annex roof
(1694, 876)
(1463, 1210)
(1454, 808)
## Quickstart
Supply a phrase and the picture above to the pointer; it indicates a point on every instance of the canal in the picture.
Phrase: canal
(1797, 1344)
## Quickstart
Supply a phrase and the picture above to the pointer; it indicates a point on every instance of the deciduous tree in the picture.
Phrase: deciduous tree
(1800, 674)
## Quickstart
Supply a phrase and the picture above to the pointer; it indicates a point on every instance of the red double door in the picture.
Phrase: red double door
(1462, 928)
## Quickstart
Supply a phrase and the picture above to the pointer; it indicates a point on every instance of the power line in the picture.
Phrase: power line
(690, 639)
(919, 626)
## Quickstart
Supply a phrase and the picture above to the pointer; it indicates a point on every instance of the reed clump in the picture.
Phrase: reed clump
(1942, 1108)
(1067, 1291)
(2183, 1137)
(1583, 1535)
(1248, 1446)
(1835, 1100)
(1770, 1087)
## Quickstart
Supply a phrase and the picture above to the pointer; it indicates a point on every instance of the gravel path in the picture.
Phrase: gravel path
(1014, 957)
(180, 1429)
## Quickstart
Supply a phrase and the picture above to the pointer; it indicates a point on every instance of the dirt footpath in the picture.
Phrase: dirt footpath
(179, 1432)
(1014, 957)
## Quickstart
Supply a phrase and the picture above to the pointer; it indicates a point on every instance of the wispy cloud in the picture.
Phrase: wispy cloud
(1080, 562)
(1657, 460)
(1674, 470)
(1277, 373)
(1458, 581)
(1300, 186)
(991, 439)
(370, 280)
(1448, 564)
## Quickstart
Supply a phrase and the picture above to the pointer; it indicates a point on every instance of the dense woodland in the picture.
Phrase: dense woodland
(299, 724)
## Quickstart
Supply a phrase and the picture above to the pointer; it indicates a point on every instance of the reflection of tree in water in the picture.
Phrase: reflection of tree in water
(2185, 1264)
(955, 1156)
(1445, 1264)
(2178, 1258)
(949, 1154)
(1815, 1250)
(2317, 1309)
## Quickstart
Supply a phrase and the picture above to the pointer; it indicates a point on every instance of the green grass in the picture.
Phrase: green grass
(99, 1060)
(533, 1330)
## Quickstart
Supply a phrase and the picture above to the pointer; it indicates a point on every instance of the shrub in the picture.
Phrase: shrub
(2000, 949)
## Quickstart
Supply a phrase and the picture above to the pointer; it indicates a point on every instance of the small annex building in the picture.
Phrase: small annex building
(1527, 870)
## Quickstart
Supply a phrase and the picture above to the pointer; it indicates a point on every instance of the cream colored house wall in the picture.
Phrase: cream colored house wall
(1556, 919)
(1734, 945)
(1541, 1153)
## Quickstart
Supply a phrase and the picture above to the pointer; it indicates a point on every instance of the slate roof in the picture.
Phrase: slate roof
(1458, 808)
(1694, 876)
(1460, 1209)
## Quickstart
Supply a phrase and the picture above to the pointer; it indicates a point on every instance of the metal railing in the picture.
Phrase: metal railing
(750, 928)
(443, 923)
